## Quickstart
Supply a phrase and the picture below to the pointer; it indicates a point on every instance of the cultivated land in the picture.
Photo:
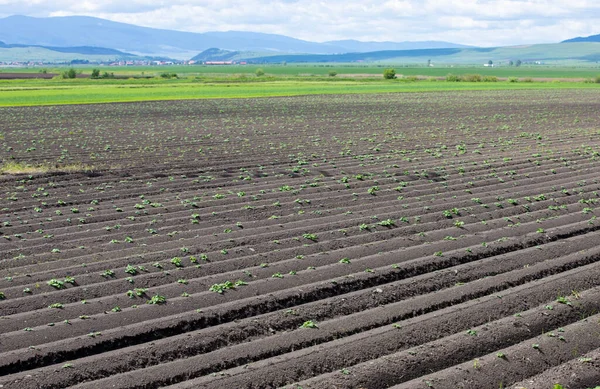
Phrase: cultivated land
(578, 70)
(376, 70)
(414, 240)
(147, 83)
(131, 92)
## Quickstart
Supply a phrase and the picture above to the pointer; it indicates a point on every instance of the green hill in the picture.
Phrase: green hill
(216, 55)
(544, 53)
(86, 50)
(65, 55)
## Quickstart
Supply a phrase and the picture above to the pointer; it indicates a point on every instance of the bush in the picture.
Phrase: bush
(490, 79)
(597, 80)
(472, 78)
(332, 73)
(169, 75)
(389, 74)
(528, 79)
(452, 77)
(513, 79)
(259, 72)
(95, 74)
(71, 73)
(411, 78)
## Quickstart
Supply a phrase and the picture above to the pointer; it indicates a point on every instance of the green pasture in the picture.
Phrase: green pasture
(375, 70)
(53, 92)
(316, 70)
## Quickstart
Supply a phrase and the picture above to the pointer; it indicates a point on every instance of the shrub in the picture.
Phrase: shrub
(95, 74)
(389, 74)
(452, 77)
(490, 79)
(597, 80)
(513, 79)
(169, 75)
(332, 73)
(528, 79)
(71, 73)
(259, 72)
(472, 77)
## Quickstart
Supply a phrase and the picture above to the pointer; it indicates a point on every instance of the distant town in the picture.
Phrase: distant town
(120, 63)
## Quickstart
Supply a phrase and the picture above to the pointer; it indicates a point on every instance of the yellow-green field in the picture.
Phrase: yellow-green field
(84, 91)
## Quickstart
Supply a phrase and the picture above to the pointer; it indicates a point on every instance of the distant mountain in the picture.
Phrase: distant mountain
(89, 31)
(85, 50)
(501, 56)
(214, 54)
(354, 46)
(591, 38)
(385, 55)
(76, 31)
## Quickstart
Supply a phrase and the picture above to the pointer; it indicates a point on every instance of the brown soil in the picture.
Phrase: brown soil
(25, 76)
(394, 223)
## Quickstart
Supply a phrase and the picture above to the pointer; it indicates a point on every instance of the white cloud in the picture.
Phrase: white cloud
(461, 22)
(475, 22)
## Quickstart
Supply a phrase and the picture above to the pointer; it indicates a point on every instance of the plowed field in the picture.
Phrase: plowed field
(444, 240)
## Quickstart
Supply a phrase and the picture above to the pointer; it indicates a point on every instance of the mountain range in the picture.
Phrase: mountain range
(591, 38)
(63, 39)
(73, 31)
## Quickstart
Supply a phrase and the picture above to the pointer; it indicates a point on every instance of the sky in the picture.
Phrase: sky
(472, 22)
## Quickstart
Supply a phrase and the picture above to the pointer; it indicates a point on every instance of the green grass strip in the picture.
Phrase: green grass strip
(45, 93)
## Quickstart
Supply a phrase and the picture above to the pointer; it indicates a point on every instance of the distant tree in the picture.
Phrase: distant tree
(389, 74)
(332, 73)
(472, 78)
(259, 72)
(490, 62)
(518, 63)
(428, 63)
(453, 77)
(95, 73)
(510, 63)
(71, 73)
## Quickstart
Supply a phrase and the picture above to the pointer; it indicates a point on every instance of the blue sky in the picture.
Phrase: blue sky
(473, 22)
